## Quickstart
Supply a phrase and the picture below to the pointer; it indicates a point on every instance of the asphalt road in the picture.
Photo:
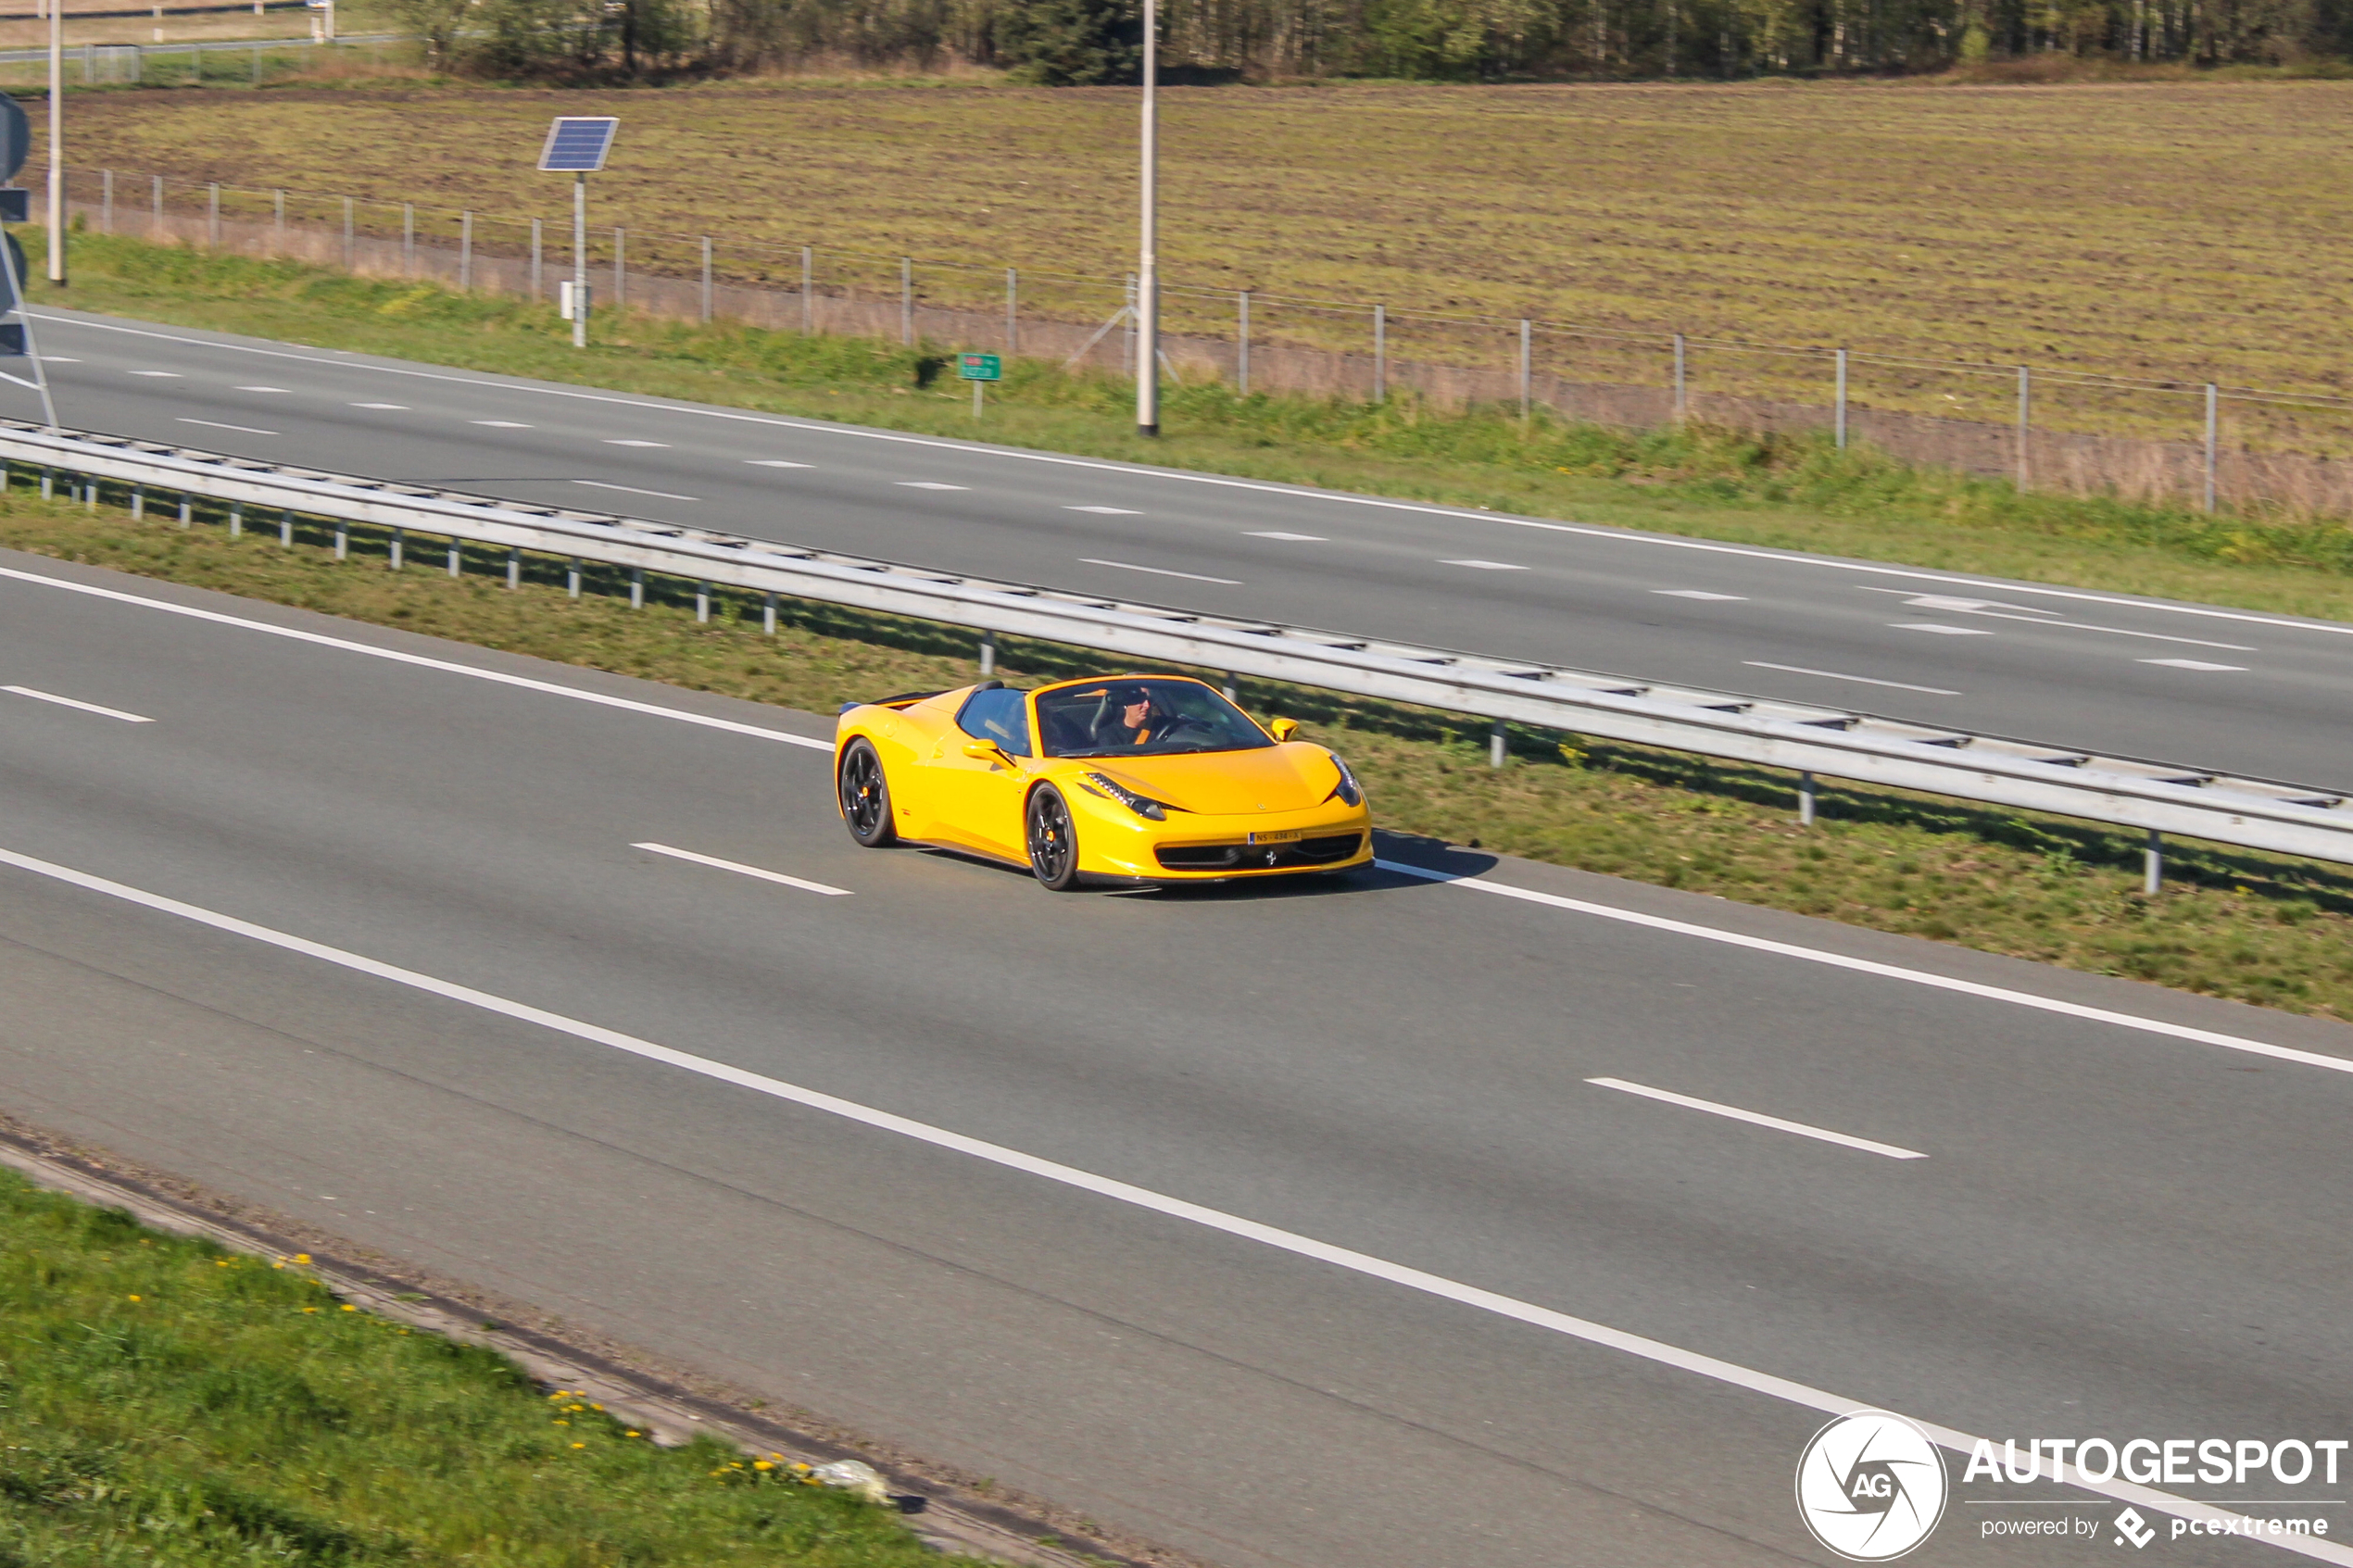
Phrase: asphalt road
(1287, 1227)
(2220, 689)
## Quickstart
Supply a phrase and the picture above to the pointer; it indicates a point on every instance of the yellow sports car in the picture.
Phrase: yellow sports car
(1126, 780)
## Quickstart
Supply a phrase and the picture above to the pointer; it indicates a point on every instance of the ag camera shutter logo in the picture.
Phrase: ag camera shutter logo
(1870, 1487)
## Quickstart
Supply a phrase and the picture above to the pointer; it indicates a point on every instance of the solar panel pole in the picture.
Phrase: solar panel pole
(580, 260)
(57, 142)
(1148, 260)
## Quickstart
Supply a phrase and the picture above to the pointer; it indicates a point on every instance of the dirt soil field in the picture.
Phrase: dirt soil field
(2175, 230)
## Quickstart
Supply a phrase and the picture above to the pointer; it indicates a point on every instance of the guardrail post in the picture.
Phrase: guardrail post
(187, 509)
(768, 613)
(343, 538)
(285, 528)
(138, 503)
(705, 279)
(400, 544)
(572, 578)
(1233, 687)
(514, 565)
(1241, 344)
(988, 654)
(1841, 398)
(89, 492)
(1806, 800)
(236, 519)
(702, 604)
(637, 587)
(1496, 744)
(48, 484)
(457, 556)
(2153, 863)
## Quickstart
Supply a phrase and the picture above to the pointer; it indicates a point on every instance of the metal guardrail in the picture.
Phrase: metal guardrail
(2126, 792)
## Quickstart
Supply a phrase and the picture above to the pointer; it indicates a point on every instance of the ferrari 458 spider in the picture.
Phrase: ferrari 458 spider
(1123, 780)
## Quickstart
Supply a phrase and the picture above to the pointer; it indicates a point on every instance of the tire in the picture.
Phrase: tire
(865, 795)
(1053, 842)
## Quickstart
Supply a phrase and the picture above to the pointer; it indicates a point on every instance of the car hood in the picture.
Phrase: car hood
(1290, 777)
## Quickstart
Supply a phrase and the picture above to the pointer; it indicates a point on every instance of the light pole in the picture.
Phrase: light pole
(1148, 264)
(57, 142)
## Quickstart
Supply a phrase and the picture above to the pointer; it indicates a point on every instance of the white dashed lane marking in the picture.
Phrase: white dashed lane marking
(77, 702)
(774, 463)
(1757, 1119)
(1287, 538)
(633, 490)
(262, 389)
(396, 407)
(1861, 680)
(1485, 565)
(928, 485)
(742, 869)
(1107, 511)
(1939, 630)
(627, 441)
(503, 424)
(2192, 664)
(1699, 594)
(216, 424)
(1160, 571)
(160, 375)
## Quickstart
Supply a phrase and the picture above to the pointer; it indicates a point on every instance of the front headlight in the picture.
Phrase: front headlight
(1112, 789)
(1348, 791)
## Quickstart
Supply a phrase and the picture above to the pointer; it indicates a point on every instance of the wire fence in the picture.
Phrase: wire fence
(2042, 428)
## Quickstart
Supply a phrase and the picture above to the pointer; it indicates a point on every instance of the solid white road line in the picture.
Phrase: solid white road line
(164, 375)
(499, 677)
(262, 389)
(1940, 630)
(633, 490)
(772, 463)
(1106, 511)
(77, 702)
(1160, 571)
(928, 485)
(1699, 593)
(742, 869)
(1287, 538)
(632, 443)
(503, 424)
(395, 408)
(2191, 664)
(1362, 1263)
(1485, 565)
(216, 424)
(1860, 680)
(1335, 497)
(58, 359)
(1736, 1114)
(1884, 971)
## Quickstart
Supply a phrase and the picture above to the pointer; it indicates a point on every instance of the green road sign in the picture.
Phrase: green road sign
(979, 367)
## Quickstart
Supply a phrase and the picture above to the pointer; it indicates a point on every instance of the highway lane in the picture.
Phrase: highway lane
(2111, 1230)
(2222, 689)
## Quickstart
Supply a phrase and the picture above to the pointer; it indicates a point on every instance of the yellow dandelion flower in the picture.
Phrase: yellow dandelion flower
(561, 1421)
(302, 1257)
(580, 1445)
(596, 1407)
(761, 1464)
(310, 1308)
(349, 1308)
(134, 1297)
(635, 1433)
(220, 1262)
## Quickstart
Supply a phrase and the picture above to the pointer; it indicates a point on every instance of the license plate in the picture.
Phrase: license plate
(1281, 835)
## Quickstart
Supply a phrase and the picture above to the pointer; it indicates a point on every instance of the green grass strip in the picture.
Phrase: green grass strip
(165, 1402)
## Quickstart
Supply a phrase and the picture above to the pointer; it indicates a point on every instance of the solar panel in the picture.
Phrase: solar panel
(577, 143)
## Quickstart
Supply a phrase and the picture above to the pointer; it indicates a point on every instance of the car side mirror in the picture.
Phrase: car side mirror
(1283, 729)
(986, 752)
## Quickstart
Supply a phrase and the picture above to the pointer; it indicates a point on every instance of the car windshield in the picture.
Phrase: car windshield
(1128, 717)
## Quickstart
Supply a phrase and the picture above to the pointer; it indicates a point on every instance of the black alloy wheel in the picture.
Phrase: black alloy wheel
(865, 795)
(1053, 845)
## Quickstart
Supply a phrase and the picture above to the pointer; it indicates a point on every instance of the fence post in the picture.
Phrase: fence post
(1682, 402)
(1380, 353)
(2212, 411)
(212, 215)
(1012, 312)
(538, 290)
(465, 250)
(808, 276)
(1527, 345)
(156, 230)
(2153, 863)
(408, 239)
(2025, 424)
(620, 269)
(1241, 365)
(279, 203)
(349, 257)
(1841, 398)
(106, 183)
(705, 279)
(907, 300)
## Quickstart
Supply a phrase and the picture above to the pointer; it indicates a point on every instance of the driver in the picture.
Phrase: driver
(1128, 718)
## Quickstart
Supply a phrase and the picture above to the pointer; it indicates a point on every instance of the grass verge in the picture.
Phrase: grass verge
(165, 1402)
(1793, 492)
(2229, 923)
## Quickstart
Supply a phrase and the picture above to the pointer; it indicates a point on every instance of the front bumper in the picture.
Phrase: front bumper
(1203, 848)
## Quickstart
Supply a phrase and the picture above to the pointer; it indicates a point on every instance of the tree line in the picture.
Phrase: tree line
(1077, 42)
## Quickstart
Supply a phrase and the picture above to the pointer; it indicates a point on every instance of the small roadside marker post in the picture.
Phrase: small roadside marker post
(979, 370)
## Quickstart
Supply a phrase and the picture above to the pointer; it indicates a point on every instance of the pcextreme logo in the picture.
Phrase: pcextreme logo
(1870, 1486)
